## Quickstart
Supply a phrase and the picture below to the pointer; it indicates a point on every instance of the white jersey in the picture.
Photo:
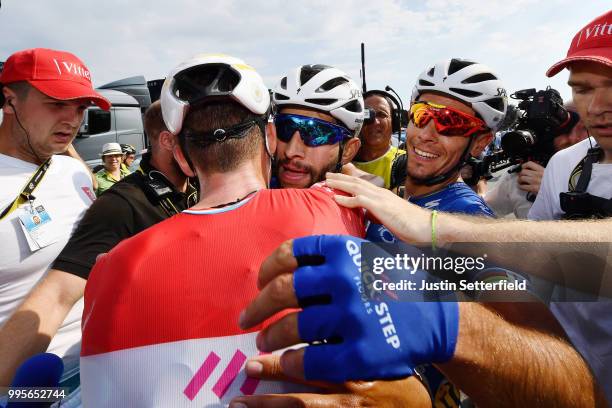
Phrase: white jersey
(65, 192)
(556, 177)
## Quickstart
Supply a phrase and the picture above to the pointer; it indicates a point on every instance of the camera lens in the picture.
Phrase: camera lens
(517, 141)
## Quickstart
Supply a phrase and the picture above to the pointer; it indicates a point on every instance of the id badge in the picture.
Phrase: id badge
(37, 226)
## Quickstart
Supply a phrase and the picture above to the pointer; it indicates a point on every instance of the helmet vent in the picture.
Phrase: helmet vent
(331, 84)
(353, 106)
(322, 102)
(203, 80)
(458, 64)
(465, 92)
(431, 72)
(308, 71)
(226, 80)
(283, 83)
(422, 82)
(496, 103)
(486, 76)
(280, 97)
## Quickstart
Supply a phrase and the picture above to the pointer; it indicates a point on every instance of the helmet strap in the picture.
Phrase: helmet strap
(456, 168)
(183, 144)
(338, 167)
(271, 157)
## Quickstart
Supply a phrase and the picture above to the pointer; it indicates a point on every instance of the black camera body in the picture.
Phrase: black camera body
(538, 119)
(482, 168)
(543, 118)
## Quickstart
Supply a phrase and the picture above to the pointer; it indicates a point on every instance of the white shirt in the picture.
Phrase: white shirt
(66, 192)
(556, 177)
(507, 198)
(587, 324)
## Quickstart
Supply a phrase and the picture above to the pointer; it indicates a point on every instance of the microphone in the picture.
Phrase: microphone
(388, 88)
(43, 370)
(10, 102)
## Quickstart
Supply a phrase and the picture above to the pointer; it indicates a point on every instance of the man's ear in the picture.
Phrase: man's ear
(480, 143)
(271, 137)
(350, 150)
(9, 95)
(167, 140)
(179, 156)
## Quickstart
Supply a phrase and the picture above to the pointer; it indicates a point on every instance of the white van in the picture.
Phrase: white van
(122, 124)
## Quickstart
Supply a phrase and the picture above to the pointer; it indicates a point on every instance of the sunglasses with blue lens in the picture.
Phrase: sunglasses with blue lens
(314, 132)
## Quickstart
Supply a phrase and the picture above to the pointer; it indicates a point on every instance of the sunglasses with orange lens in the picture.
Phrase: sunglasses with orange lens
(448, 121)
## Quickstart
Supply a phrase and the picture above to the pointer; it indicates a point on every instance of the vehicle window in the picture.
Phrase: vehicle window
(98, 121)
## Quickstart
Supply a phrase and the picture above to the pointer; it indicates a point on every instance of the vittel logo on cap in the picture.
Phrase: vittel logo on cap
(72, 68)
(593, 31)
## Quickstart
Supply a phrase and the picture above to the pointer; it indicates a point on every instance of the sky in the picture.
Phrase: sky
(518, 39)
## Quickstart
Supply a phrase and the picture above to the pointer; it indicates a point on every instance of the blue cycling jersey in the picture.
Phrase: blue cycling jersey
(457, 198)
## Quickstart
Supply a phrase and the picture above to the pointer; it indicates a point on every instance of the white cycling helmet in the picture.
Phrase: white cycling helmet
(324, 88)
(470, 82)
(219, 76)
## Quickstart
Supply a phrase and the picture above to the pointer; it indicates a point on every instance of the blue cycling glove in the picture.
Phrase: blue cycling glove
(357, 338)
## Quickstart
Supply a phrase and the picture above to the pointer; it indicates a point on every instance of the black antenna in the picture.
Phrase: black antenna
(363, 79)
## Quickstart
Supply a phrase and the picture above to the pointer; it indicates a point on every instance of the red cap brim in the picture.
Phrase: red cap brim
(68, 90)
(584, 55)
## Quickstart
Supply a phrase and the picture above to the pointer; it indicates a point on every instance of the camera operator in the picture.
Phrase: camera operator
(515, 192)
(574, 134)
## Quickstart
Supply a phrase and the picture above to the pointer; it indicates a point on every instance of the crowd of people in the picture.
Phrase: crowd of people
(240, 232)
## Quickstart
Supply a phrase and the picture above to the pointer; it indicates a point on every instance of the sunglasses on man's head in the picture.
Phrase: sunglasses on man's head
(448, 121)
(314, 132)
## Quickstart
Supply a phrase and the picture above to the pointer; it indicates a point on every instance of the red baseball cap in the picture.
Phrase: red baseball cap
(592, 43)
(57, 74)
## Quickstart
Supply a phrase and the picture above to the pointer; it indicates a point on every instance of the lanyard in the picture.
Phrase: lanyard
(26, 193)
(162, 189)
(583, 170)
